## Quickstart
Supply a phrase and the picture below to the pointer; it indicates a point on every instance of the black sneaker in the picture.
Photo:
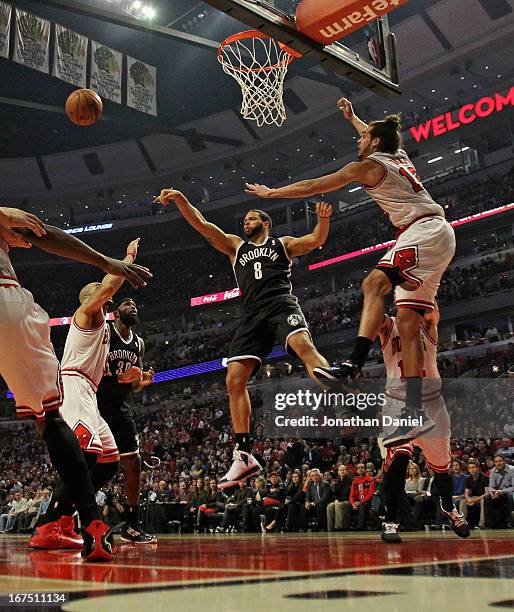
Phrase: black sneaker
(457, 521)
(137, 535)
(390, 533)
(342, 378)
(411, 430)
(98, 542)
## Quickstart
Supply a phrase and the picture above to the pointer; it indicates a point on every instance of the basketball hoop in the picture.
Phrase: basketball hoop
(259, 64)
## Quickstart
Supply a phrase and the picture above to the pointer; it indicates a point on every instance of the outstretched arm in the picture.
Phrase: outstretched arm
(345, 106)
(91, 309)
(299, 246)
(60, 243)
(226, 243)
(366, 172)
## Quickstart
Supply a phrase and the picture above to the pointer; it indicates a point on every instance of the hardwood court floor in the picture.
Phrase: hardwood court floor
(246, 573)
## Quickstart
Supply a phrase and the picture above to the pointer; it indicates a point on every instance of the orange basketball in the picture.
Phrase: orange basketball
(84, 107)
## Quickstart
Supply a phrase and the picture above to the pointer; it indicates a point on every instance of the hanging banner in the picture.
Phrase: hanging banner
(32, 41)
(141, 86)
(5, 28)
(70, 57)
(106, 65)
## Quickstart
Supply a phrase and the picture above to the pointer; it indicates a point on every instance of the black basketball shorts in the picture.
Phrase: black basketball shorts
(257, 334)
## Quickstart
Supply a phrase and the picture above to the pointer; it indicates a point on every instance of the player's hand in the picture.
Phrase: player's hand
(132, 249)
(147, 378)
(324, 210)
(169, 195)
(345, 106)
(134, 274)
(14, 217)
(13, 239)
(133, 374)
(258, 191)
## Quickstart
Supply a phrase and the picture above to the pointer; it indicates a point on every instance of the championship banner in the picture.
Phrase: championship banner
(141, 86)
(106, 67)
(32, 41)
(5, 28)
(70, 56)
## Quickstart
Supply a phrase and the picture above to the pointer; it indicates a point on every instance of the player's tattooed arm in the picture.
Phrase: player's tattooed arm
(299, 246)
(346, 107)
(58, 242)
(225, 243)
(366, 172)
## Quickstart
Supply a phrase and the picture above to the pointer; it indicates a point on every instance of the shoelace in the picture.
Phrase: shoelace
(390, 528)
(457, 518)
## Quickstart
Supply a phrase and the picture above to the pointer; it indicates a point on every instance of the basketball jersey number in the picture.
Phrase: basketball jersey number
(409, 172)
(122, 367)
(257, 268)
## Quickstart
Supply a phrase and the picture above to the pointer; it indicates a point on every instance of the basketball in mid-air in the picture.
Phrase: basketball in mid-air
(84, 107)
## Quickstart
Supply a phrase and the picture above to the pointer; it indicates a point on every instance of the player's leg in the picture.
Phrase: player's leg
(436, 448)
(238, 374)
(300, 343)
(119, 421)
(395, 466)
(26, 347)
(244, 464)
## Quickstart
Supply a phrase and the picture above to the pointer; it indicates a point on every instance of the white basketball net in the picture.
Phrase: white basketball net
(259, 65)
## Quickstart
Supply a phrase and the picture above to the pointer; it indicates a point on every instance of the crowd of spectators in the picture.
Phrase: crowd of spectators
(318, 484)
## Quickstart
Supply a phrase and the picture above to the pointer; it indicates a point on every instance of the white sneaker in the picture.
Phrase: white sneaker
(243, 466)
(390, 533)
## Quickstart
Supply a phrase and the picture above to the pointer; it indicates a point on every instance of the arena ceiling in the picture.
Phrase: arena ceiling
(191, 84)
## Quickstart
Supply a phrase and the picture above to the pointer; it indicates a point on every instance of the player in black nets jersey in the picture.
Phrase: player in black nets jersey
(125, 375)
(262, 266)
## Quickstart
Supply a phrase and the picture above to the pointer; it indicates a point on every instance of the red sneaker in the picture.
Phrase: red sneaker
(49, 537)
(67, 527)
(98, 542)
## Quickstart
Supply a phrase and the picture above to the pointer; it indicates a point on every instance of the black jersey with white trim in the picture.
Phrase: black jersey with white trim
(263, 273)
(122, 355)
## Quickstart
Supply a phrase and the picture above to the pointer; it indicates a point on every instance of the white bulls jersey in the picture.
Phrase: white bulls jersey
(85, 353)
(7, 273)
(400, 194)
(393, 361)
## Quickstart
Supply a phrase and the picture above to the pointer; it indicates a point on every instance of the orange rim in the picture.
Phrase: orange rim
(247, 34)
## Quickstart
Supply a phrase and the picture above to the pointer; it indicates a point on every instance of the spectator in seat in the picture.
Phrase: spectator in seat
(233, 515)
(254, 508)
(501, 487)
(293, 503)
(43, 506)
(19, 505)
(317, 497)
(114, 507)
(414, 483)
(472, 507)
(214, 502)
(459, 482)
(274, 502)
(337, 519)
(361, 494)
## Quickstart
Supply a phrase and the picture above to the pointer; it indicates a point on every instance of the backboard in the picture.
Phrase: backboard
(367, 57)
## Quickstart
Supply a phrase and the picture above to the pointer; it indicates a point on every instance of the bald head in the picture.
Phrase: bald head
(88, 290)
